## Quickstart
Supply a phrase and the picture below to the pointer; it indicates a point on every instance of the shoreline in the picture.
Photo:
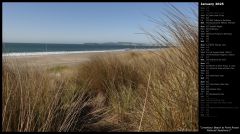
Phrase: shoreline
(68, 59)
(15, 54)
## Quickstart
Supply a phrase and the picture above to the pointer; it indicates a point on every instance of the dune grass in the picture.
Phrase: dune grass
(34, 101)
(57, 68)
(135, 91)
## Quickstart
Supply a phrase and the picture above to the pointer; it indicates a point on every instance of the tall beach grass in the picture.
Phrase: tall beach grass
(133, 91)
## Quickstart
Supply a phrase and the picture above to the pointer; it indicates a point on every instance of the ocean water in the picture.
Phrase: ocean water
(15, 49)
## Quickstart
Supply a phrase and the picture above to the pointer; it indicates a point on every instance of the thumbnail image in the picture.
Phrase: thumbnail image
(80, 67)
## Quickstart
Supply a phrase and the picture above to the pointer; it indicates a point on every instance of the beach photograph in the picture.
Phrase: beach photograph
(100, 67)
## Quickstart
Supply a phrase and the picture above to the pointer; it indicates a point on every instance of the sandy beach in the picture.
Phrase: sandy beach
(57, 59)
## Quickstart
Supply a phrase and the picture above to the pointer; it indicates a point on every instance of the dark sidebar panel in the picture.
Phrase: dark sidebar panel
(219, 58)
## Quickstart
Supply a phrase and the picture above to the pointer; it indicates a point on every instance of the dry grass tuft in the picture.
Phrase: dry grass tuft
(34, 101)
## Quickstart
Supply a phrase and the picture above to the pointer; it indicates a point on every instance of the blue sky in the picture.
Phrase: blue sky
(82, 22)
